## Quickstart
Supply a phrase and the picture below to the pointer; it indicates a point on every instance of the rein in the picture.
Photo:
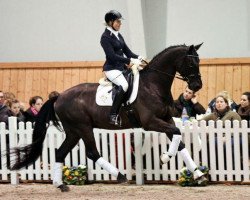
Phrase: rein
(178, 76)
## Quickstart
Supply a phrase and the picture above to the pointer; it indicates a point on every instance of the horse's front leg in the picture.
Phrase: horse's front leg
(176, 144)
(173, 133)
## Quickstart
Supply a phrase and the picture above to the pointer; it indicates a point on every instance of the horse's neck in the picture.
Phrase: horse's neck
(156, 83)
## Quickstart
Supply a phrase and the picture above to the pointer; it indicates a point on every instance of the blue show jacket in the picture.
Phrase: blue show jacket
(115, 50)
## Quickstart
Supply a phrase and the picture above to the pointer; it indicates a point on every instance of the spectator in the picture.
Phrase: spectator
(244, 107)
(8, 95)
(4, 110)
(188, 99)
(53, 94)
(231, 103)
(14, 109)
(35, 103)
(222, 110)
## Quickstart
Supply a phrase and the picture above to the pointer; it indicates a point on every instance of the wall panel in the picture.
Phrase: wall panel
(40, 78)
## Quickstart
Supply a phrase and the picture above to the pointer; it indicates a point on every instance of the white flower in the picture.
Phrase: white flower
(183, 170)
(82, 166)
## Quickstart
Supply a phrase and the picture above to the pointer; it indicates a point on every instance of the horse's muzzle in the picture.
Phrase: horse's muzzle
(195, 84)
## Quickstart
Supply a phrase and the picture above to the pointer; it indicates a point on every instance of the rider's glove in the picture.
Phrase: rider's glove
(135, 61)
(141, 58)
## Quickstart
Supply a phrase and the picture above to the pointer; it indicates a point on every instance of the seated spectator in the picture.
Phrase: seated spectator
(244, 107)
(14, 109)
(4, 110)
(211, 105)
(35, 103)
(9, 95)
(222, 110)
(188, 100)
(53, 94)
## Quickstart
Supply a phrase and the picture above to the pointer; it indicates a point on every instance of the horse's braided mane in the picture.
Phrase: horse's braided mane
(156, 57)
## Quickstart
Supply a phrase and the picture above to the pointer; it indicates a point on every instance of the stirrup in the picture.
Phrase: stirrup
(115, 120)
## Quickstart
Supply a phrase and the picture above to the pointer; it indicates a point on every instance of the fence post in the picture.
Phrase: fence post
(138, 156)
(14, 179)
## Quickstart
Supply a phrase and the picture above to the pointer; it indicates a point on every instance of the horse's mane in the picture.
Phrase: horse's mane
(167, 49)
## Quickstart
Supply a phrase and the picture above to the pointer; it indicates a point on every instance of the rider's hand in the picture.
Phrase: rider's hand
(135, 61)
(141, 58)
(129, 65)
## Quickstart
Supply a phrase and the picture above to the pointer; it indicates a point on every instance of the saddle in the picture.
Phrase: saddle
(107, 90)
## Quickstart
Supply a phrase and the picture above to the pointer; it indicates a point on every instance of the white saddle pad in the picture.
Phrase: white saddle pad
(104, 93)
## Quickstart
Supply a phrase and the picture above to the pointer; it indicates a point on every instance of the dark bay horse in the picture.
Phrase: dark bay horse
(79, 114)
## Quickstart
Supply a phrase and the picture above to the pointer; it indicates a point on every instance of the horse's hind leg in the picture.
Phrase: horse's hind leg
(68, 144)
(93, 154)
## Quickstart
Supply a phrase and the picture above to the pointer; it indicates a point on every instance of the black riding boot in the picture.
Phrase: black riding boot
(114, 113)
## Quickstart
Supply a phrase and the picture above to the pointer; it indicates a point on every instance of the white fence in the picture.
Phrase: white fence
(225, 150)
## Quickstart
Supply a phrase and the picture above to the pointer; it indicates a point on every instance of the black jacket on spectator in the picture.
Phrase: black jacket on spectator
(4, 114)
(192, 109)
(244, 112)
(29, 116)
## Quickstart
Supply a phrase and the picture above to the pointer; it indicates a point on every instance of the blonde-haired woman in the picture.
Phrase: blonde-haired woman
(15, 109)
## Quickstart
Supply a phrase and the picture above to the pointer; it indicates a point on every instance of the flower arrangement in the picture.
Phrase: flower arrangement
(75, 175)
(186, 178)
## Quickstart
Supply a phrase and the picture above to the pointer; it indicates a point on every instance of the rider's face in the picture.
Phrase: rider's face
(117, 24)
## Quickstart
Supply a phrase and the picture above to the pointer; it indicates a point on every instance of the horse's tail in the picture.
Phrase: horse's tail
(26, 155)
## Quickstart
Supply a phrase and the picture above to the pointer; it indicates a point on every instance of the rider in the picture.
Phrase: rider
(118, 58)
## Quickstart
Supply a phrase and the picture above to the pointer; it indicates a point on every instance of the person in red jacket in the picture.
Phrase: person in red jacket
(36, 103)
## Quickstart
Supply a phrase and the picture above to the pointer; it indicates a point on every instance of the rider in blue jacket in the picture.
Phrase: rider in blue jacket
(118, 58)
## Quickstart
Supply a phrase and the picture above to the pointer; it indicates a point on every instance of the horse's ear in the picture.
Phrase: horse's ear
(191, 50)
(198, 46)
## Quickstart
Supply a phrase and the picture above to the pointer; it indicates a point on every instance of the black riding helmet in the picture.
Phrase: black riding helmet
(112, 15)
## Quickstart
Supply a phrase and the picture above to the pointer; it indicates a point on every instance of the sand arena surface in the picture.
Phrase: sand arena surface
(126, 192)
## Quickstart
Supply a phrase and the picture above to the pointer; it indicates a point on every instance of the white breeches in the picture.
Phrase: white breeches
(117, 78)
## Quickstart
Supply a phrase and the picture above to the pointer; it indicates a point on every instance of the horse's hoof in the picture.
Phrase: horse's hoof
(198, 174)
(202, 181)
(122, 178)
(63, 188)
(164, 158)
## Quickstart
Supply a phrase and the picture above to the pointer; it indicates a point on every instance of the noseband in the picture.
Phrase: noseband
(178, 76)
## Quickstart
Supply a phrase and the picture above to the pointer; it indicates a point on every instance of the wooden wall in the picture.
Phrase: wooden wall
(40, 78)
(231, 74)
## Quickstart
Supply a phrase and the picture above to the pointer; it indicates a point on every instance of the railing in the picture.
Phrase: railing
(135, 152)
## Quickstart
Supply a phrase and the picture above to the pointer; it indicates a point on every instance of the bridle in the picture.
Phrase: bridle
(178, 76)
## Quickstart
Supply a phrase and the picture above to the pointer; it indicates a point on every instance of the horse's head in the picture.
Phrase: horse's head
(189, 69)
